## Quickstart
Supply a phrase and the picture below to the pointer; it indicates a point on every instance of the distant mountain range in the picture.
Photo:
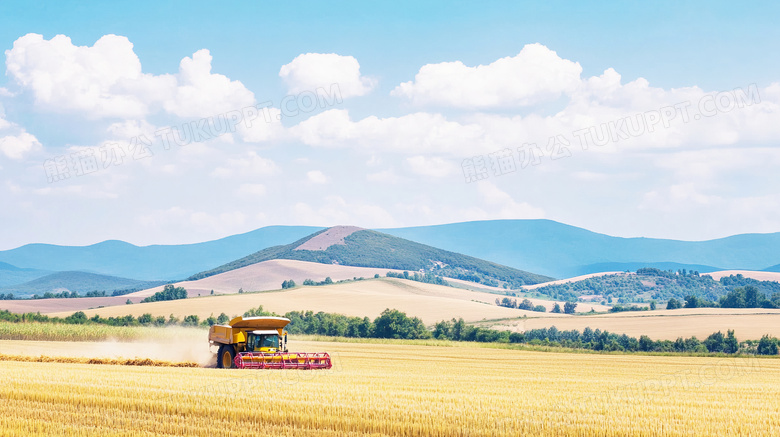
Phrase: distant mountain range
(542, 247)
(555, 249)
(157, 262)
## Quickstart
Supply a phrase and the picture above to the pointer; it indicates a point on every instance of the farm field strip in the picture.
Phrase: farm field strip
(392, 389)
(748, 325)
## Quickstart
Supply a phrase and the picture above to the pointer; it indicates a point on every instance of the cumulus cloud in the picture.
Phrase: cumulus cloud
(502, 205)
(16, 146)
(311, 71)
(106, 80)
(317, 177)
(249, 165)
(201, 93)
(15, 141)
(534, 75)
(417, 132)
(431, 166)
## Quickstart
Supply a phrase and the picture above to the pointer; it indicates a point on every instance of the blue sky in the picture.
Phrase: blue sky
(386, 154)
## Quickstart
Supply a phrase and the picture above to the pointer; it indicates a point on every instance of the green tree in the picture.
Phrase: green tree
(569, 307)
(395, 324)
(716, 342)
(767, 346)
(556, 308)
(731, 345)
(646, 344)
(752, 297)
(673, 304)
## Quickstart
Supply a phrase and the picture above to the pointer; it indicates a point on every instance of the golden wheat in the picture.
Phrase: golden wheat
(83, 360)
(402, 390)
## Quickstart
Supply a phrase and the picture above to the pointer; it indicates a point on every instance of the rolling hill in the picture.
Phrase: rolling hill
(80, 282)
(662, 324)
(358, 247)
(12, 275)
(773, 269)
(430, 302)
(157, 262)
(555, 249)
(265, 276)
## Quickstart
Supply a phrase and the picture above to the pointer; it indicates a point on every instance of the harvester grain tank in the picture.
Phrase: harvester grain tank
(260, 343)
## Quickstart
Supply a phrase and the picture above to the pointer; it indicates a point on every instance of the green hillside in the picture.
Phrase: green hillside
(368, 248)
(649, 284)
(80, 282)
(12, 275)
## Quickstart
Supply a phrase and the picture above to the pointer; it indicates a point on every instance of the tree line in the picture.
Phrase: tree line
(169, 293)
(392, 323)
(741, 297)
(568, 307)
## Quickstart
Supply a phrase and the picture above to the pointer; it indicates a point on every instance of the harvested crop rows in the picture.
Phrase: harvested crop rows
(395, 389)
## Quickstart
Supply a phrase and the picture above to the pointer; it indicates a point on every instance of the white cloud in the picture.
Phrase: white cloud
(262, 126)
(200, 93)
(384, 176)
(501, 205)
(15, 141)
(417, 132)
(534, 75)
(334, 210)
(75, 190)
(317, 177)
(106, 80)
(312, 71)
(251, 165)
(16, 146)
(252, 190)
(431, 166)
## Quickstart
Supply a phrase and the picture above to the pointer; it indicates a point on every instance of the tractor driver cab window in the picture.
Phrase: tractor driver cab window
(271, 341)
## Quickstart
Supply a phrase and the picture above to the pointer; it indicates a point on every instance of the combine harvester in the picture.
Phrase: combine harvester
(260, 343)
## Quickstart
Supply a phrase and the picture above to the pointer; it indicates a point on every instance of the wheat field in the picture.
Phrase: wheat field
(402, 390)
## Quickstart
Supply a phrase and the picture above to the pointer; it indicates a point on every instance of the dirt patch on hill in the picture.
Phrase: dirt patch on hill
(334, 235)
(759, 276)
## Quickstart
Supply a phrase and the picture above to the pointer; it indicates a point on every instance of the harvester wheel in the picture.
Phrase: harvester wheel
(225, 357)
